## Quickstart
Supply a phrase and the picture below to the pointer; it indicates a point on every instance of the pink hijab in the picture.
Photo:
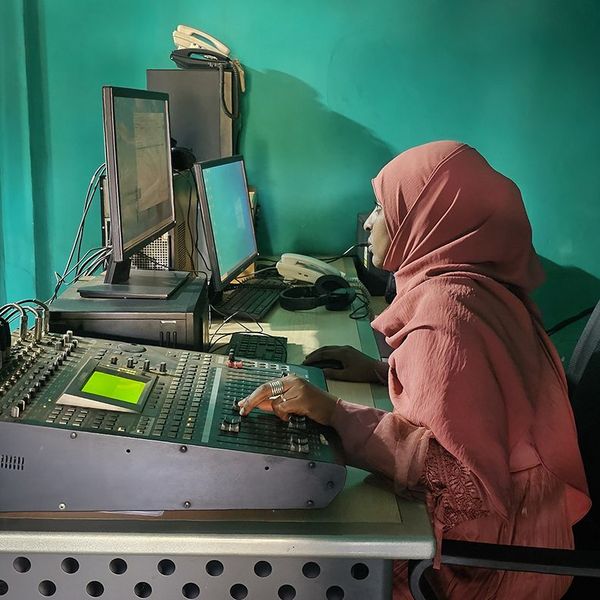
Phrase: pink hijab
(471, 360)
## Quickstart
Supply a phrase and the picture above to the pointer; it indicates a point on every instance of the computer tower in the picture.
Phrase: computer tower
(197, 115)
(180, 321)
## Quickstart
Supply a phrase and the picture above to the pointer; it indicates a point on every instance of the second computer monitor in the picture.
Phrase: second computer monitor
(227, 218)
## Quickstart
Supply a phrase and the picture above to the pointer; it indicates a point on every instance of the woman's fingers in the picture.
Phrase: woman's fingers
(260, 395)
(293, 396)
(267, 393)
(283, 408)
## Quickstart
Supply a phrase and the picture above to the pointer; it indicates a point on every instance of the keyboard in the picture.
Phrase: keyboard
(272, 348)
(248, 302)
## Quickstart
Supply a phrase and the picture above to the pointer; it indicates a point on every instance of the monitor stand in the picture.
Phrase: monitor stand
(121, 282)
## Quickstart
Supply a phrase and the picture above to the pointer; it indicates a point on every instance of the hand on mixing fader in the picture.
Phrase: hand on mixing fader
(292, 395)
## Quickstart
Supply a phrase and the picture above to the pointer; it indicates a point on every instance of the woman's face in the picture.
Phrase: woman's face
(379, 240)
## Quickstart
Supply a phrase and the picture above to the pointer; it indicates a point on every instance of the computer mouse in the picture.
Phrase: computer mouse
(327, 363)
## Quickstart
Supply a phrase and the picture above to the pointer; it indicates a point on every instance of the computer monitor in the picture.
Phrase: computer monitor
(137, 145)
(227, 218)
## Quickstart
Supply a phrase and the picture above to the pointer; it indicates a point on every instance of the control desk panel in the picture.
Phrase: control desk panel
(91, 424)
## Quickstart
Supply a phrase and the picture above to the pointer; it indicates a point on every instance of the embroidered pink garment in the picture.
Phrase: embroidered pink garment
(472, 367)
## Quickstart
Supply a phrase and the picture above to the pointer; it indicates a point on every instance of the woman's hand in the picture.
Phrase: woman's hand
(353, 365)
(299, 397)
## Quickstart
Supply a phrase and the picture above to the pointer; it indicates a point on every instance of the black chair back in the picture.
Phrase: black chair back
(583, 375)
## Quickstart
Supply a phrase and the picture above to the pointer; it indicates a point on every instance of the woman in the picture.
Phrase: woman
(481, 421)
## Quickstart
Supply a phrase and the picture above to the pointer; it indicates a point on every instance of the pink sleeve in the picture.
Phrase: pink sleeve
(386, 443)
(382, 442)
(454, 494)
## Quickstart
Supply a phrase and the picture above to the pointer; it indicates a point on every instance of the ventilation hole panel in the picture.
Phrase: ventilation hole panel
(214, 568)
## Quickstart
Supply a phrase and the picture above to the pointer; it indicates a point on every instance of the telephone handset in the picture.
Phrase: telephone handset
(305, 268)
(191, 41)
(188, 37)
(184, 57)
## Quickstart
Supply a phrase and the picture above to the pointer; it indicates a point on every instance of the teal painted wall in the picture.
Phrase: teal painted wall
(17, 242)
(335, 89)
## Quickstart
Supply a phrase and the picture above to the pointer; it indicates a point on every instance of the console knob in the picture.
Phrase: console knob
(15, 411)
(113, 360)
(130, 362)
(146, 365)
(69, 334)
(162, 367)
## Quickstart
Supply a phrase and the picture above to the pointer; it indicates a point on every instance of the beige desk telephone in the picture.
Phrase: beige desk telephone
(188, 37)
(298, 267)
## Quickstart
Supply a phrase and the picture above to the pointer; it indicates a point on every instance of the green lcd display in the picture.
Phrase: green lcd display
(113, 386)
(106, 388)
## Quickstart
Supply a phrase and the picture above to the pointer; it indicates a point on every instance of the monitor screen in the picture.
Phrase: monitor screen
(227, 218)
(138, 157)
(137, 143)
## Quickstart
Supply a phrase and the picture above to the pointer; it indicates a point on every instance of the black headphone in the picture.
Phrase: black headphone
(332, 291)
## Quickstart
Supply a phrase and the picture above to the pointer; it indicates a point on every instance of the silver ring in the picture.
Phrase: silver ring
(276, 388)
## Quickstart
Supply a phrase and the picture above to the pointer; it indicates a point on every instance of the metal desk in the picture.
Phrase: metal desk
(342, 551)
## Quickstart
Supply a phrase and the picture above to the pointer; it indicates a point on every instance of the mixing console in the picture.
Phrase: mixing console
(89, 424)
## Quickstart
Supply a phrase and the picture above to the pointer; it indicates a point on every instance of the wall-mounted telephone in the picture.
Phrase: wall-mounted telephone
(298, 267)
(188, 37)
